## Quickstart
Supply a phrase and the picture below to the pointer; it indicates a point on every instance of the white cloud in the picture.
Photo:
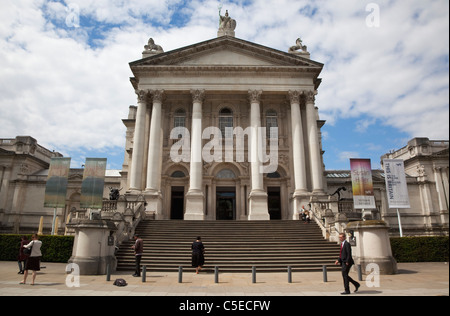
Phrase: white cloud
(68, 94)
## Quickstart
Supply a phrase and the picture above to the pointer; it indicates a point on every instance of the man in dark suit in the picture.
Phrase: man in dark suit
(346, 261)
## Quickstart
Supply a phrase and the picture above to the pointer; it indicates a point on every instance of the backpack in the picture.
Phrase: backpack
(120, 282)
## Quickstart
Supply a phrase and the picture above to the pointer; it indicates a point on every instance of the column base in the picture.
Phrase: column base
(154, 204)
(258, 207)
(300, 198)
(195, 201)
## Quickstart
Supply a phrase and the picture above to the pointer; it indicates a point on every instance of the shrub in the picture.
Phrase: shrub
(54, 248)
(420, 249)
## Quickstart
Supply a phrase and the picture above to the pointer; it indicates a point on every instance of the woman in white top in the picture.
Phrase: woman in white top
(34, 260)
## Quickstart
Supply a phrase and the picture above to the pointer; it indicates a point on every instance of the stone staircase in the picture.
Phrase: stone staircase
(233, 246)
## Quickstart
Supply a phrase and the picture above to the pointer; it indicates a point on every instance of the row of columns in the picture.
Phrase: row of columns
(258, 208)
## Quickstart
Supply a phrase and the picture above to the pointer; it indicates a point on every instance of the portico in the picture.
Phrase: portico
(220, 98)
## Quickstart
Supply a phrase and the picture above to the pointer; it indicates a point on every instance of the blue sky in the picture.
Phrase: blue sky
(64, 74)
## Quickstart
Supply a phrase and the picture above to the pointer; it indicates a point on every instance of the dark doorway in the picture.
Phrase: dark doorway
(177, 203)
(274, 202)
(225, 203)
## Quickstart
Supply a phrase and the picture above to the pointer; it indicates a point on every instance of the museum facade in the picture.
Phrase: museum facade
(226, 129)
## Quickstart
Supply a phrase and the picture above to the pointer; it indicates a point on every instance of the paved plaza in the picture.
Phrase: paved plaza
(413, 279)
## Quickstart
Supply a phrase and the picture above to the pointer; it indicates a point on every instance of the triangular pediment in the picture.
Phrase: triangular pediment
(227, 51)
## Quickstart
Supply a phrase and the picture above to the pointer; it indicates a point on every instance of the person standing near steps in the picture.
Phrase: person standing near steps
(138, 248)
(34, 260)
(346, 261)
(198, 254)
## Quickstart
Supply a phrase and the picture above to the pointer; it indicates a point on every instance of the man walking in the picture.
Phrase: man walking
(346, 261)
(138, 248)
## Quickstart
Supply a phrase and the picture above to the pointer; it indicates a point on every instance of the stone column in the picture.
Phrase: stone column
(298, 146)
(153, 189)
(313, 142)
(258, 208)
(137, 160)
(195, 197)
(298, 150)
(155, 145)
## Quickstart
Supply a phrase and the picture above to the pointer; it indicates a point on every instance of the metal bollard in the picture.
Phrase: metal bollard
(144, 274)
(325, 276)
(216, 274)
(253, 274)
(360, 278)
(289, 274)
(180, 274)
(108, 273)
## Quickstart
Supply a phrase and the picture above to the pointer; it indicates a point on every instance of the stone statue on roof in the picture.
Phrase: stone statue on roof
(151, 49)
(227, 24)
(298, 46)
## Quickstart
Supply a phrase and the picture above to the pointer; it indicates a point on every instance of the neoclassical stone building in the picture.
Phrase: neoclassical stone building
(222, 99)
(227, 129)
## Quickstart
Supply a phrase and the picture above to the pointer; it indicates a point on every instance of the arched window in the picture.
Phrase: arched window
(271, 121)
(178, 174)
(226, 174)
(274, 175)
(226, 120)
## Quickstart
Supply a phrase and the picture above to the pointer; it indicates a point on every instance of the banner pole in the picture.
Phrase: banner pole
(53, 222)
(399, 223)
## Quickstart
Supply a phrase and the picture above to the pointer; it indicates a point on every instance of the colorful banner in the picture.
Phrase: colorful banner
(362, 184)
(56, 186)
(396, 187)
(93, 183)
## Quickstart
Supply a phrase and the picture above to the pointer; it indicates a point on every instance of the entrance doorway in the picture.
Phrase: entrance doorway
(225, 203)
(274, 202)
(177, 203)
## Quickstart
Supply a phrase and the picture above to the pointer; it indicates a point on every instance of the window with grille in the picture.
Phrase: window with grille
(226, 120)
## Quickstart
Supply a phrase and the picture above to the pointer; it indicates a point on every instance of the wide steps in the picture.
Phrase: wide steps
(233, 246)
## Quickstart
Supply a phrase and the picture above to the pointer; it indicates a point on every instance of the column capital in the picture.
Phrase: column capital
(198, 95)
(158, 95)
(254, 96)
(310, 96)
(295, 95)
(142, 95)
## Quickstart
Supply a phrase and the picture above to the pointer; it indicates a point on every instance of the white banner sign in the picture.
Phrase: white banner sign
(396, 188)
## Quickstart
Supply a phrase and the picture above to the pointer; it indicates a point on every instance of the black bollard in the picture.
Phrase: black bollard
(180, 275)
(144, 274)
(216, 274)
(108, 273)
(289, 274)
(360, 278)
(253, 274)
(325, 276)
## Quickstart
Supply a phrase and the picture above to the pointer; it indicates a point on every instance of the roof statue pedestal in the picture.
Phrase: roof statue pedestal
(227, 25)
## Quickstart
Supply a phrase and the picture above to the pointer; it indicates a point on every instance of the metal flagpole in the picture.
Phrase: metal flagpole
(399, 223)
(53, 222)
